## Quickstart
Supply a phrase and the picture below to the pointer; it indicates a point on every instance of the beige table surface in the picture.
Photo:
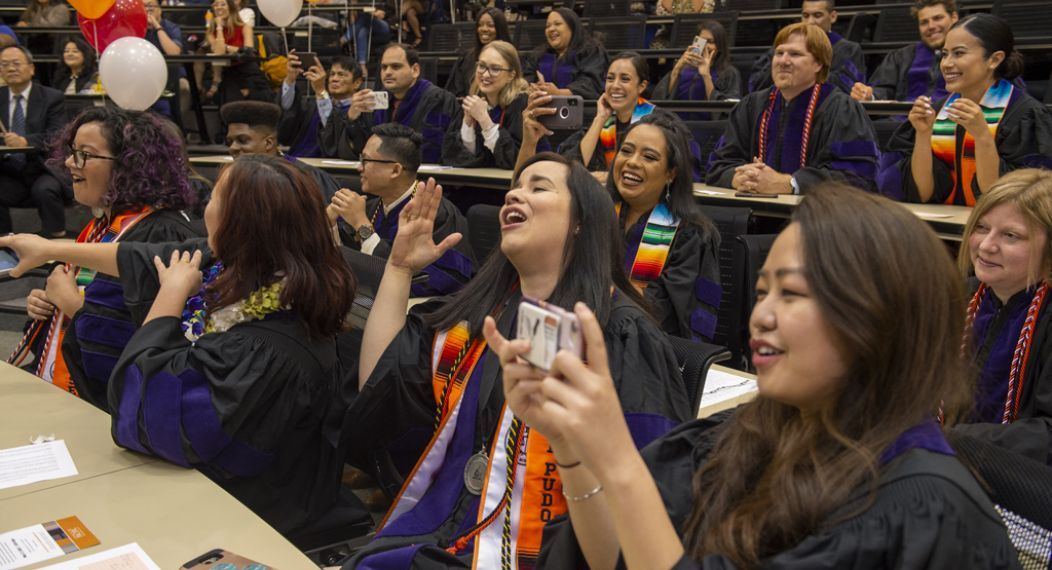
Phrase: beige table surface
(706, 411)
(30, 406)
(175, 514)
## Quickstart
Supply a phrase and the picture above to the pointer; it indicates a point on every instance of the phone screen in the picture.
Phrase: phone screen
(8, 259)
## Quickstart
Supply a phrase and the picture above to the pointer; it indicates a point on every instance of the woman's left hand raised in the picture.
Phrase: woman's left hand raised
(414, 246)
(182, 275)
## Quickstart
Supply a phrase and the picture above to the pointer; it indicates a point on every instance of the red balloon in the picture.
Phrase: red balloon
(125, 18)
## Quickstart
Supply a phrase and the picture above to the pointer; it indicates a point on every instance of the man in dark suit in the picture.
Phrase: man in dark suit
(30, 114)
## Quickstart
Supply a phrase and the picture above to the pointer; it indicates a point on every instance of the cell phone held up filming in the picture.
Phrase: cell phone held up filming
(568, 115)
(549, 329)
(698, 47)
(381, 100)
(308, 60)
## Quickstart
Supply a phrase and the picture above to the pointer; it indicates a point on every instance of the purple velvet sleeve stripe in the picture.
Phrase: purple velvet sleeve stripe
(708, 291)
(401, 557)
(104, 330)
(206, 436)
(106, 293)
(438, 282)
(703, 323)
(453, 260)
(645, 427)
(889, 176)
(127, 417)
(866, 170)
(927, 435)
(162, 417)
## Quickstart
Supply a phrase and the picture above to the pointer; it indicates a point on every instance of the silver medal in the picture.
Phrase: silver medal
(475, 472)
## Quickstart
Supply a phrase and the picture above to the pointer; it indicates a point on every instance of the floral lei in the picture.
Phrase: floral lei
(260, 303)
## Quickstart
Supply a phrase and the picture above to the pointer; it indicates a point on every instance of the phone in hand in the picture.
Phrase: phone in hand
(549, 329)
(569, 113)
(381, 100)
(8, 260)
(308, 60)
(224, 560)
(698, 46)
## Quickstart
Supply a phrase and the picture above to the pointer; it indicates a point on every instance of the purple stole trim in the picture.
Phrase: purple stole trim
(992, 387)
(691, 86)
(406, 108)
(834, 37)
(923, 76)
(789, 161)
(925, 435)
(308, 145)
(561, 74)
(386, 223)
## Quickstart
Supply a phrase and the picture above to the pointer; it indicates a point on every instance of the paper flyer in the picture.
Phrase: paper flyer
(127, 557)
(32, 544)
(32, 463)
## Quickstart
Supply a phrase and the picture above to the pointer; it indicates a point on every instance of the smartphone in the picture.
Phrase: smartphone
(549, 329)
(8, 260)
(755, 195)
(698, 46)
(308, 60)
(569, 113)
(381, 100)
(220, 559)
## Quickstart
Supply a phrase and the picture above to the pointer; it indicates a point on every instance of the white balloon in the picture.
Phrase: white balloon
(281, 13)
(134, 73)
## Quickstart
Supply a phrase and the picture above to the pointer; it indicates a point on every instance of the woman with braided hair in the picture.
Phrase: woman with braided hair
(1006, 249)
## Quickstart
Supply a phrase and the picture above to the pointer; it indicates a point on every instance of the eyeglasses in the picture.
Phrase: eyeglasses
(377, 160)
(483, 69)
(80, 157)
(11, 65)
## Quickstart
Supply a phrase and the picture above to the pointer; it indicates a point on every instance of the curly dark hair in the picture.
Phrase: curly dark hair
(149, 167)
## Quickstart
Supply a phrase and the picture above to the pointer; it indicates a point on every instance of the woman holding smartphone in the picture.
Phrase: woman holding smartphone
(704, 74)
(431, 390)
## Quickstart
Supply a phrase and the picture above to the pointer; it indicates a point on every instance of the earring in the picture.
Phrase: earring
(668, 191)
(577, 230)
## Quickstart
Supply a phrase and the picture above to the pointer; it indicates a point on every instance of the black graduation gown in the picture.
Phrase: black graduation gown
(581, 72)
(928, 513)
(446, 275)
(504, 153)
(1031, 433)
(848, 66)
(727, 84)
(326, 183)
(571, 147)
(842, 147)
(684, 299)
(463, 72)
(256, 408)
(99, 331)
(427, 109)
(1023, 140)
(300, 126)
(395, 411)
(907, 73)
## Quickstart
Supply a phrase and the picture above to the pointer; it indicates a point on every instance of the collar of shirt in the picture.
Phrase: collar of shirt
(402, 198)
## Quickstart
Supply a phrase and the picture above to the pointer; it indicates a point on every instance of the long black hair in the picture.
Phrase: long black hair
(595, 252)
(994, 34)
(499, 22)
(63, 72)
(719, 39)
(680, 197)
(580, 42)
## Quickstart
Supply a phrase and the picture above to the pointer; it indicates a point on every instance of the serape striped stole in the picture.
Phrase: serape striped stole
(962, 159)
(654, 246)
(51, 366)
(608, 136)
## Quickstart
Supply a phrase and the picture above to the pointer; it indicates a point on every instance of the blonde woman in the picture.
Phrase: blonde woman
(1006, 248)
(488, 130)
(228, 34)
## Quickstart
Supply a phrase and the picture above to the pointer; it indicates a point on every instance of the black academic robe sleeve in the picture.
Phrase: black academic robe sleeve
(589, 73)
(326, 183)
(99, 331)
(296, 120)
(432, 119)
(956, 528)
(726, 86)
(1031, 434)
(46, 107)
(1023, 140)
(460, 76)
(355, 134)
(334, 137)
(889, 79)
(686, 296)
(503, 154)
(135, 265)
(843, 144)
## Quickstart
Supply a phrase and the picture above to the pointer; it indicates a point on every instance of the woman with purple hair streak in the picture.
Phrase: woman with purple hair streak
(130, 169)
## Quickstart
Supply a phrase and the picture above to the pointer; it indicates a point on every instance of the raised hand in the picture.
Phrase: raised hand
(182, 276)
(414, 247)
(861, 92)
(535, 108)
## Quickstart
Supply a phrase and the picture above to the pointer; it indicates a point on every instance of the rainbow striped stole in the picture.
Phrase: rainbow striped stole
(654, 246)
(608, 136)
(944, 140)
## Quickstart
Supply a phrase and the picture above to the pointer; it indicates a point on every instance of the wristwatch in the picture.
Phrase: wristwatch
(323, 95)
(794, 184)
(364, 232)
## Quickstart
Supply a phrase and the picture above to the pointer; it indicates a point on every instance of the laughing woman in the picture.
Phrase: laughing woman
(672, 248)
(490, 25)
(839, 461)
(951, 151)
(570, 62)
(429, 382)
(488, 131)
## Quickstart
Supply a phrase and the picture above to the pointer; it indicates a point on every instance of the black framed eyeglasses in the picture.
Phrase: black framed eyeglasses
(493, 70)
(80, 157)
(377, 160)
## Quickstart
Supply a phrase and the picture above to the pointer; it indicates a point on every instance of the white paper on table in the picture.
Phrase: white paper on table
(351, 163)
(25, 546)
(709, 192)
(32, 463)
(721, 386)
(432, 168)
(127, 557)
(931, 216)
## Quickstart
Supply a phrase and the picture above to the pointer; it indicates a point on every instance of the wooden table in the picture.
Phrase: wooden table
(174, 513)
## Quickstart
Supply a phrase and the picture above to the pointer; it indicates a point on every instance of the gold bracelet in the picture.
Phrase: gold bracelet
(584, 497)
